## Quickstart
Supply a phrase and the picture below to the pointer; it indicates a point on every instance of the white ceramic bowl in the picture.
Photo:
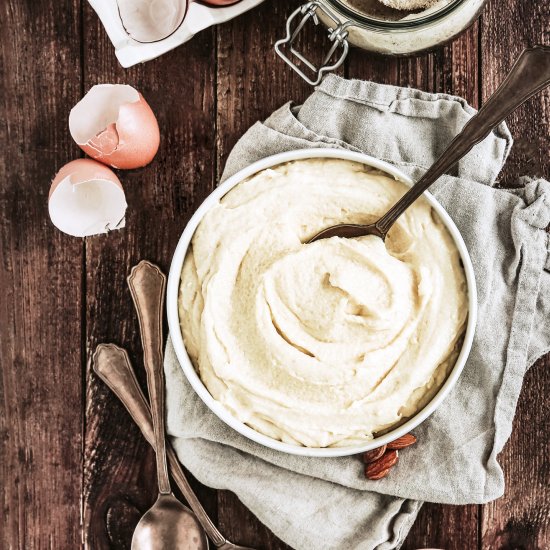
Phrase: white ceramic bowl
(218, 408)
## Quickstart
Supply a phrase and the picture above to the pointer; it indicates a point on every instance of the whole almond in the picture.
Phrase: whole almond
(379, 475)
(374, 455)
(402, 442)
(375, 469)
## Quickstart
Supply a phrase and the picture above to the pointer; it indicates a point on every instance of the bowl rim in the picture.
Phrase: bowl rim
(192, 376)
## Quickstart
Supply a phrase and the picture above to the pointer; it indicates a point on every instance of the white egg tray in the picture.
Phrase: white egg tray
(199, 17)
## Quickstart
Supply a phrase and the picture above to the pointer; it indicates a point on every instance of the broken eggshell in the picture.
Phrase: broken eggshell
(86, 198)
(151, 20)
(113, 124)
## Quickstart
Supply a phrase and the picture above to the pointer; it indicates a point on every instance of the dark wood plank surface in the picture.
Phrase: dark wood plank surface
(521, 518)
(74, 469)
(41, 301)
(120, 481)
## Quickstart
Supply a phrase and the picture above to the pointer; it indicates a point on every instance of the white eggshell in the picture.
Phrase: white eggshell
(86, 198)
(151, 20)
(113, 124)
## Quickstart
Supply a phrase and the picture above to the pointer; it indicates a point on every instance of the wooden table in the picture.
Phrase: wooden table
(74, 469)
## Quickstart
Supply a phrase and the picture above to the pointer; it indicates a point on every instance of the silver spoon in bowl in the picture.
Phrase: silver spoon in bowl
(529, 75)
(168, 523)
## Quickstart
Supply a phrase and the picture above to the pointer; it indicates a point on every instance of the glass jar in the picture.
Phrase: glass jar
(370, 25)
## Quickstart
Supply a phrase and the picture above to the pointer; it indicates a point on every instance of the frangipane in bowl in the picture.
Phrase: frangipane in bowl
(218, 408)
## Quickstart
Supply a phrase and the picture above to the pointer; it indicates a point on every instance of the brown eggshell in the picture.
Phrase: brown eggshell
(83, 170)
(86, 198)
(126, 130)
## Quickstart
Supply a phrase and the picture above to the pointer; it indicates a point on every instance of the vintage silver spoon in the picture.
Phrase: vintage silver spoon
(529, 75)
(113, 366)
(168, 524)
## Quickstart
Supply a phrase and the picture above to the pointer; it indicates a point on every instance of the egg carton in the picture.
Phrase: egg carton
(198, 17)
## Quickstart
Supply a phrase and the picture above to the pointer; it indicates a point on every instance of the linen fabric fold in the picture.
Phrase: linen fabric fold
(328, 503)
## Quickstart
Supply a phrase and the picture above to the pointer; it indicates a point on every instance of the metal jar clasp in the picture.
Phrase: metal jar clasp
(337, 35)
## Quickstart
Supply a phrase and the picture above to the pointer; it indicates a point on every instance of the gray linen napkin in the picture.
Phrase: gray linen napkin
(328, 503)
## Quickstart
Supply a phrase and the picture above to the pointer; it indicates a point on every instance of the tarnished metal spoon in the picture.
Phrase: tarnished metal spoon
(529, 75)
(168, 524)
(113, 366)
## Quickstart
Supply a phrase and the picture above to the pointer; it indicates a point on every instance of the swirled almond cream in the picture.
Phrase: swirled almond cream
(321, 344)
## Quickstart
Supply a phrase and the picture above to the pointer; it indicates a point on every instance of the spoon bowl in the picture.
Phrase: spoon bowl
(348, 231)
(169, 524)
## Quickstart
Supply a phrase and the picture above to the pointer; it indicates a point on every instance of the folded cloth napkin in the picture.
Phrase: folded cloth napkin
(327, 503)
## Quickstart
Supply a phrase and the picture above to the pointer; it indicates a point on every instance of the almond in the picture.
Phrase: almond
(374, 455)
(379, 475)
(383, 464)
(402, 442)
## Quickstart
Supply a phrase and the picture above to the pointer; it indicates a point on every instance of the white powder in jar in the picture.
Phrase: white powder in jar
(413, 38)
(408, 5)
(396, 10)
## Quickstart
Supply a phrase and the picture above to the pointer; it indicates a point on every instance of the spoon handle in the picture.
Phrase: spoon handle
(147, 284)
(529, 75)
(113, 366)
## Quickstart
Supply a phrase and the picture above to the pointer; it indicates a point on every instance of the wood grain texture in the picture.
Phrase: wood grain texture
(525, 24)
(40, 282)
(448, 527)
(119, 474)
(74, 469)
(252, 81)
(521, 518)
